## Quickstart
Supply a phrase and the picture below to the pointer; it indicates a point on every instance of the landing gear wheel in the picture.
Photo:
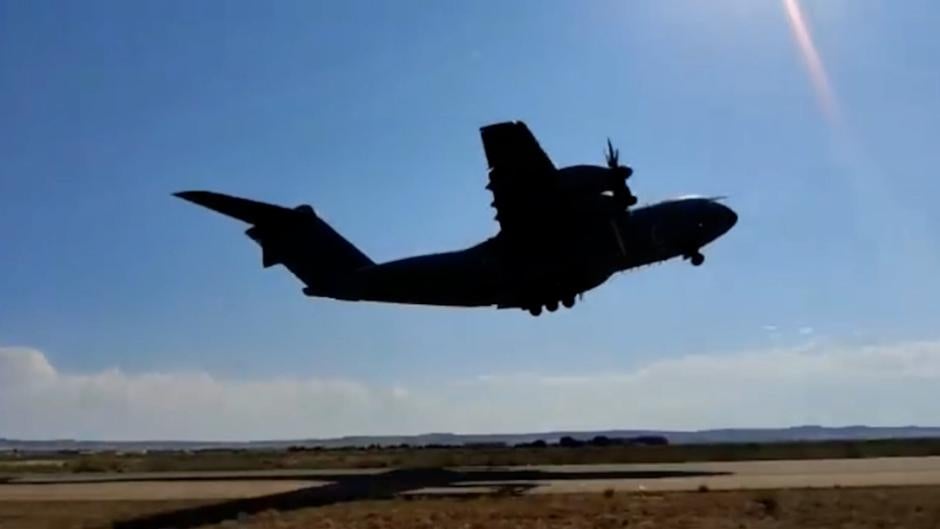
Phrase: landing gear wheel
(568, 302)
(536, 310)
(552, 306)
(697, 259)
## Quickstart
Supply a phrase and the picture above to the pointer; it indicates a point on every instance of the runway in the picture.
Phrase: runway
(745, 475)
(532, 479)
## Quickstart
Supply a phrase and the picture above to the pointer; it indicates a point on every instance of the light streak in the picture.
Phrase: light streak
(817, 70)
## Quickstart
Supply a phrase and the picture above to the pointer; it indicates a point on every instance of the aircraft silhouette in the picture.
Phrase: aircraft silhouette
(562, 232)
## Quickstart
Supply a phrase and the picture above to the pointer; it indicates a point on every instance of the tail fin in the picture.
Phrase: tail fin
(296, 238)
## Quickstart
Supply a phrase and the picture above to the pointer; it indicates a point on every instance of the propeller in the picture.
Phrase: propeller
(613, 161)
(620, 175)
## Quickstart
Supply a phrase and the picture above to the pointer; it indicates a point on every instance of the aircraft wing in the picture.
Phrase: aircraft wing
(522, 177)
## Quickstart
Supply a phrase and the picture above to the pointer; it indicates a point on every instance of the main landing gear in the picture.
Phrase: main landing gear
(567, 301)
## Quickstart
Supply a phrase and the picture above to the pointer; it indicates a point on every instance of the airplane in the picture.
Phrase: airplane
(563, 231)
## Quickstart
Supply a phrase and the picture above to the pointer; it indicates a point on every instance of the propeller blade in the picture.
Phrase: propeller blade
(613, 155)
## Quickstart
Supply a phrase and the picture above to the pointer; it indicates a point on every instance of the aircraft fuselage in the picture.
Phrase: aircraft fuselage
(495, 273)
(563, 231)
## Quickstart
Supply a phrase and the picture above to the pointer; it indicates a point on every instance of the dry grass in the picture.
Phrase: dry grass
(877, 508)
(910, 508)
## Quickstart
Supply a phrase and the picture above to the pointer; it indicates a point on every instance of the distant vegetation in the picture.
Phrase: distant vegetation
(568, 450)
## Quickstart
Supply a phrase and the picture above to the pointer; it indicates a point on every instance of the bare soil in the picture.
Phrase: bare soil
(901, 507)
(909, 508)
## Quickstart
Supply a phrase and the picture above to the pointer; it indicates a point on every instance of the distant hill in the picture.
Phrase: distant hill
(730, 435)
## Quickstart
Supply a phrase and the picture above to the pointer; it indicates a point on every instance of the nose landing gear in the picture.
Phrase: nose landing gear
(696, 258)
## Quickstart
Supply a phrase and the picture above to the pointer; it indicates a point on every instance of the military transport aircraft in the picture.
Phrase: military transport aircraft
(563, 231)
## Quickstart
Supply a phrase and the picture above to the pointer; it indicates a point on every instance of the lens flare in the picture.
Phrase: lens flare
(814, 63)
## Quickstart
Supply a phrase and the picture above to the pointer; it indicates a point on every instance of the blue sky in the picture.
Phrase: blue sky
(370, 112)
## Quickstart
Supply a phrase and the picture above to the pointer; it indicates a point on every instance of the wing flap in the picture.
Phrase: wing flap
(521, 175)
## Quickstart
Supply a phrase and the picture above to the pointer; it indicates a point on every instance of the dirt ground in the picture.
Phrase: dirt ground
(909, 508)
(902, 507)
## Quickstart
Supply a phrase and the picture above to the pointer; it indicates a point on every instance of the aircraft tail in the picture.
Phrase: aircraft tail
(295, 237)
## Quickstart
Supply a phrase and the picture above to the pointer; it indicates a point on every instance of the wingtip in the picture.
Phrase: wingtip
(246, 210)
(191, 196)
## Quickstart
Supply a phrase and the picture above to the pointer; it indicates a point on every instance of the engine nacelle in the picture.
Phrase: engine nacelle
(592, 180)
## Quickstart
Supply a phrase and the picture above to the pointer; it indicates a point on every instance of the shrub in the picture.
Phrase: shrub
(769, 503)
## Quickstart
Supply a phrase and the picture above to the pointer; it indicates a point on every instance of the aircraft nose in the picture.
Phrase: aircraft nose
(728, 217)
(723, 219)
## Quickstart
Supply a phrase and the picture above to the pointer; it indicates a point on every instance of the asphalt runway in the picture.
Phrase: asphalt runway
(150, 490)
(743, 475)
(532, 479)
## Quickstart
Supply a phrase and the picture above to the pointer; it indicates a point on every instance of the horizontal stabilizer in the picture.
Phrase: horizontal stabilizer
(294, 237)
(243, 209)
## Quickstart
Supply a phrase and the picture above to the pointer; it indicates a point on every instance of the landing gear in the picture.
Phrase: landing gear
(697, 259)
(568, 301)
